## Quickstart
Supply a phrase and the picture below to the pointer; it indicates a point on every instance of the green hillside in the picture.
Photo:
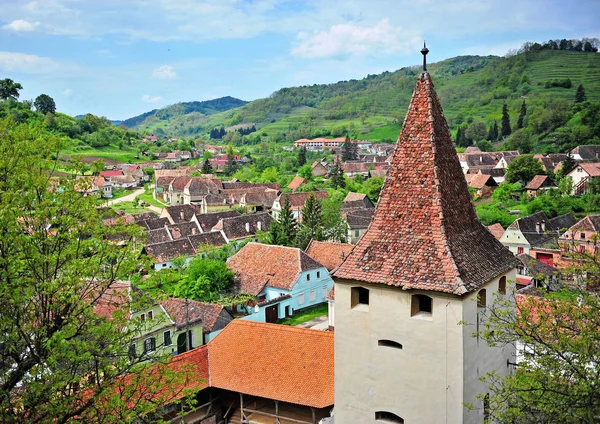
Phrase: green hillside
(172, 119)
(471, 88)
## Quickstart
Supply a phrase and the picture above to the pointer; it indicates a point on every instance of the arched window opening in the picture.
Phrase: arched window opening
(389, 343)
(481, 299)
(388, 417)
(502, 285)
(421, 305)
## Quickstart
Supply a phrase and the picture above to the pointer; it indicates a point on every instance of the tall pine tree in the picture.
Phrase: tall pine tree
(311, 227)
(522, 115)
(230, 166)
(301, 156)
(287, 224)
(580, 96)
(505, 121)
(206, 167)
(337, 175)
(349, 152)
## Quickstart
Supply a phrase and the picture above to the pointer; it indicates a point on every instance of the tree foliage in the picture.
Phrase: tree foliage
(505, 121)
(523, 168)
(580, 96)
(9, 89)
(301, 156)
(207, 167)
(59, 359)
(44, 104)
(205, 279)
(312, 222)
(337, 179)
(283, 230)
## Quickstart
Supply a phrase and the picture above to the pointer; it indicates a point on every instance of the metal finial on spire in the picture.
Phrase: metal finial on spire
(424, 51)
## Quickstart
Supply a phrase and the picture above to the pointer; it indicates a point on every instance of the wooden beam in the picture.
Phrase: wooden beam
(277, 412)
(313, 414)
(241, 407)
(273, 415)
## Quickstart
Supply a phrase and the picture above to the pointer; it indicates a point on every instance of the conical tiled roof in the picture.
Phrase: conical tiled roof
(425, 233)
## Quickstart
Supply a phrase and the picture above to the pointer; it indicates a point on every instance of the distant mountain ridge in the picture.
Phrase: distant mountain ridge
(207, 107)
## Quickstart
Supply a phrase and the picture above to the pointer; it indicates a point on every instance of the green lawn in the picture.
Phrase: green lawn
(128, 207)
(147, 197)
(306, 315)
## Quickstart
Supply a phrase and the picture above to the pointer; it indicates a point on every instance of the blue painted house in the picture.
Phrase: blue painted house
(283, 279)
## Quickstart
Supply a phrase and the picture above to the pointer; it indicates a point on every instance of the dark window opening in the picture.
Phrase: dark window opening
(167, 338)
(149, 345)
(481, 299)
(150, 315)
(421, 305)
(502, 285)
(359, 296)
(388, 417)
(389, 343)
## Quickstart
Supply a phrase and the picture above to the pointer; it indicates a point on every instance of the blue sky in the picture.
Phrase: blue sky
(120, 58)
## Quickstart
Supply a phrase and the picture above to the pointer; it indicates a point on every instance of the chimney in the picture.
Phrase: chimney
(247, 227)
(259, 224)
(194, 231)
(181, 215)
(537, 227)
(543, 226)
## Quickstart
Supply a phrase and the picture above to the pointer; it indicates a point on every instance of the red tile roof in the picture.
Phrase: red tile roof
(425, 233)
(108, 174)
(296, 182)
(592, 168)
(478, 181)
(185, 312)
(497, 230)
(297, 200)
(288, 364)
(537, 182)
(328, 253)
(257, 265)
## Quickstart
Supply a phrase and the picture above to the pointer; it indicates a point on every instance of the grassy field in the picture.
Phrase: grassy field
(147, 197)
(306, 315)
(110, 152)
(128, 207)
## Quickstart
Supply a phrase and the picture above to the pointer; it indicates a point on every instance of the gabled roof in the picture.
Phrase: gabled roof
(164, 252)
(181, 213)
(296, 183)
(360, 218)
(109, 174)
(197, 186)
(592, 168)
(257, 265)
(536, 267)
(425, 233)
(297, 200)
(589, 223)
(184, 229)
(179, 183)
(271, 361)
(209, 220)
(497, 230)
(589, 152)
(185, 312)
(356, 166)
(207, 239)
(159, 235)
(357, 200)
(478, 181)
(329, 254)
(528, 226)
(481, 160)
(243, 226)
(537, 182)
(228, 185)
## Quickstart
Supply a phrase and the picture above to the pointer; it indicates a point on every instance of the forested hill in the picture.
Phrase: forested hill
(196, 109)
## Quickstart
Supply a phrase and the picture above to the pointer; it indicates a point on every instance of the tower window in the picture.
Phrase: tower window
(502, 285)
(388, 417)
(481, 299)
(359, 296)
(389, 343)
(421, 305)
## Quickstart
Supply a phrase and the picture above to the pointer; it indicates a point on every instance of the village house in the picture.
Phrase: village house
(551, 161)
(184, 312)
(425, 265)
(318, 169)
(179, 213)
(358, 221)
(582, 236)
(297, 201)
(587, 153)
(207, 221)
(96, 186)
(539, 183)
(496, 173)
(376, 173)
(283, 279)
(331, 255)
(534, 273)
(581, 175)
(535, 231)
(352, 169)
(163, 254)
(357, 201)
(228, 383)
(321, 143)
(296, 183)
(481, 183)
(497, 230)
(243, 227)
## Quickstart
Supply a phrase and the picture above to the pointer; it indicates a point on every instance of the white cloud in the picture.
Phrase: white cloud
(20, 25)
(27, 63)
(67, 92)
(164, 72)
(151, 99)
(345, 40)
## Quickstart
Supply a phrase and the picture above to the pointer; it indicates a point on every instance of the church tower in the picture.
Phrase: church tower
(410, 294)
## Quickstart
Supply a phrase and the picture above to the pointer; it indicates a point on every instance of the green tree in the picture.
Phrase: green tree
(485, 146)
(44, 104)
(305, 171)
(523, 168)
(9, 89)
(311, 227)
(335, 227)
(301, 156)
(349, 150)
(556, 379)
(337, 179)
(493, 132)
(476, 131)
(60, 359)
(284, 232)
(97, 166)
(372, 188)
(522, 114)
(207, 167)
(505, 121)
(580, 96)
(270, 175)
(205, 280)
(230, 166)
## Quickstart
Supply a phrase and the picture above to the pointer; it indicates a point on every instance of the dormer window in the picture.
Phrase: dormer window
(421, 306)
